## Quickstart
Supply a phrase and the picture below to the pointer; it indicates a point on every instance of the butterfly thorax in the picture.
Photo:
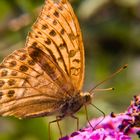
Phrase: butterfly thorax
(72, 105)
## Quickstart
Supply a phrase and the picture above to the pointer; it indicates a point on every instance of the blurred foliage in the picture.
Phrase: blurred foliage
(111, 31)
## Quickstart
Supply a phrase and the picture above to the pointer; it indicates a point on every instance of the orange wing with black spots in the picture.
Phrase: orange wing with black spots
(31, 87)
(38, 79)
(58, 34)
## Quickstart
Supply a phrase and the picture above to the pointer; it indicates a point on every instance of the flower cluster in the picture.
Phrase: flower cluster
(132, 125)
(98, 134)
(113, 126)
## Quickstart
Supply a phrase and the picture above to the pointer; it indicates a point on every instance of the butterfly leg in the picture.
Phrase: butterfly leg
(77, 120)
(57, 121)
(88, 118)
(58, 124)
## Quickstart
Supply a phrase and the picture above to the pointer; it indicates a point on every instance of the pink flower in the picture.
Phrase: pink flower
(98, 134)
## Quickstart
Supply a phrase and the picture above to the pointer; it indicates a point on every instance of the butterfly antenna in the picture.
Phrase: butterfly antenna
(104, 89)
(112, 75)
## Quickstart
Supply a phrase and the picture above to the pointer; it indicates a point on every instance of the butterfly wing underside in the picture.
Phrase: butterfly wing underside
(58, 34)
(38, 86)
(26, 90)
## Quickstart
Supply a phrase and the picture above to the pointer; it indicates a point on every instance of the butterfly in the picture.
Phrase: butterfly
(46, 76)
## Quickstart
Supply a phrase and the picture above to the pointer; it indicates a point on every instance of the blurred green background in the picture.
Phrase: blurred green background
(111, 34)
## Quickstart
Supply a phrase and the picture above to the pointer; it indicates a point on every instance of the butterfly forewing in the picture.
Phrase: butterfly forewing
(57, 33)
(38, 79)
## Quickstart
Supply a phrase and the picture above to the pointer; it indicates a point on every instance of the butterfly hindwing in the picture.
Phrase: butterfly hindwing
(26, 90)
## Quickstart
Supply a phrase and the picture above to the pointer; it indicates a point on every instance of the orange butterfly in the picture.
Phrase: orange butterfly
(46, 76)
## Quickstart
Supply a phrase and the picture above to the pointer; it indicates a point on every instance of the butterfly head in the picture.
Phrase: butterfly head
(87, 97)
